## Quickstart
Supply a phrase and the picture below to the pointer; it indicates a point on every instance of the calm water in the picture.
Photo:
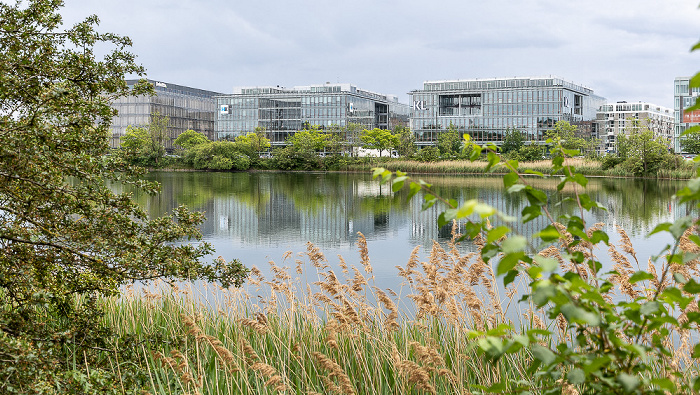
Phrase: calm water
(257, 217)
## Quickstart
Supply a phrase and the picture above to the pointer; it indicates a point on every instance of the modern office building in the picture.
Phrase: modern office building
(283, 111)
(486, 108)
(622, 117)
(186, 108)
(683, 97)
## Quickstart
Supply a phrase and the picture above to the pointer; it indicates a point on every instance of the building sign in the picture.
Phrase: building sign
(419, 105)
(224, 109)
(161, 84)
(566, 102)
(691, 116)
(351, 108)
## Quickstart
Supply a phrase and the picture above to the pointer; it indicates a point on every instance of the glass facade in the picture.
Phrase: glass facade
(283, 111)
(683, 97)
(486, 108)
(187, 108)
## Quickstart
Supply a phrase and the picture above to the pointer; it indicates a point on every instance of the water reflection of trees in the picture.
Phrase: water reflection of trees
(345, 203)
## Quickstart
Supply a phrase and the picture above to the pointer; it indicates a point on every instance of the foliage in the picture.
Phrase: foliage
(609, 161)
(428, 154)
(512, 141)
(379, 139)
(528, 153)
(188, 139)
(449, 142)
(594, 342)
(143, 146)
(642, 153)
(690, 142)
(406, 146)
(566, 135)
(252, 144)
(63, 232)
(217, 155)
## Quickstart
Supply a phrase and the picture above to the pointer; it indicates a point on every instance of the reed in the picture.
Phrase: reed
(588, 167)
(307, 329)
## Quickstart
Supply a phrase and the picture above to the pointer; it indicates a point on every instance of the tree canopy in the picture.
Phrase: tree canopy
(379, 139)
(449, 142)
(63, 232)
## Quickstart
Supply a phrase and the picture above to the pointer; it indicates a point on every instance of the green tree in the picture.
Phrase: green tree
(144, 145)
(188, 139)
(512, 141)
(379, 139)
(449, 142)
(641, 152)
(407, 141)
(690, 142)
(252, 144)
(567, 135)
(63, 233)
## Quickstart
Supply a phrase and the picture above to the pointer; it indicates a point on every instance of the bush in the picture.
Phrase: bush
(428, 154)
(218, 155)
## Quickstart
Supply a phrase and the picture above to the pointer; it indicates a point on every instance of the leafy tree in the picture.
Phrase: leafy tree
(217, 155)
(641, 152)
(690, 142)
(407, 141)
(566, 135)
(429, 154)
(379, 139)
(144, 145)
(63, 233)
(352, 136)
(529, 153)
(512, 141)
(310, 140)
(449, 142)
(188, 139)
(252, 144)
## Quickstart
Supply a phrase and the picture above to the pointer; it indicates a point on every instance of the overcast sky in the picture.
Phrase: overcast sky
(622, 49)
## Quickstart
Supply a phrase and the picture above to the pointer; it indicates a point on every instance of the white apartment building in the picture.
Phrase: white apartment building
(618, 118)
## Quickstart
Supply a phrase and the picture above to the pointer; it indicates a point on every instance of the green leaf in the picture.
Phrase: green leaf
(547, 264)
(496, 233)
(629, 382)
(548, 234)
(579, 315)
(649, 308)
(514, 244)
(640, 276)
(576, 376)
(508, 262)
(543, 354)
(414, 189)
(510, 179)
(510, 277)
(691, 287)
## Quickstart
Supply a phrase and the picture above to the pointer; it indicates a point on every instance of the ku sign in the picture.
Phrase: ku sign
(419, 105)
(224, 109)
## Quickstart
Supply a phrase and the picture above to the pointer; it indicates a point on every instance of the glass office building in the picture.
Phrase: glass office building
(283, 111)
(486, 108)
(683, 97)
(187, 108)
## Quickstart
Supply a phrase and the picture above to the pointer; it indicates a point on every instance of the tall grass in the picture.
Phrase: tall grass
(587, 167)
(310, 330)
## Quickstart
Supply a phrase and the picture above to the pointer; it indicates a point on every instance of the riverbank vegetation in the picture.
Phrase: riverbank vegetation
(639, 154)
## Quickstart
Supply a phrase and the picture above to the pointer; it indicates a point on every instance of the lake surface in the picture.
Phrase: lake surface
(258, 217)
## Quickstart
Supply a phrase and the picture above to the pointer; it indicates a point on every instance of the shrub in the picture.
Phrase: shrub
(428, 154)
